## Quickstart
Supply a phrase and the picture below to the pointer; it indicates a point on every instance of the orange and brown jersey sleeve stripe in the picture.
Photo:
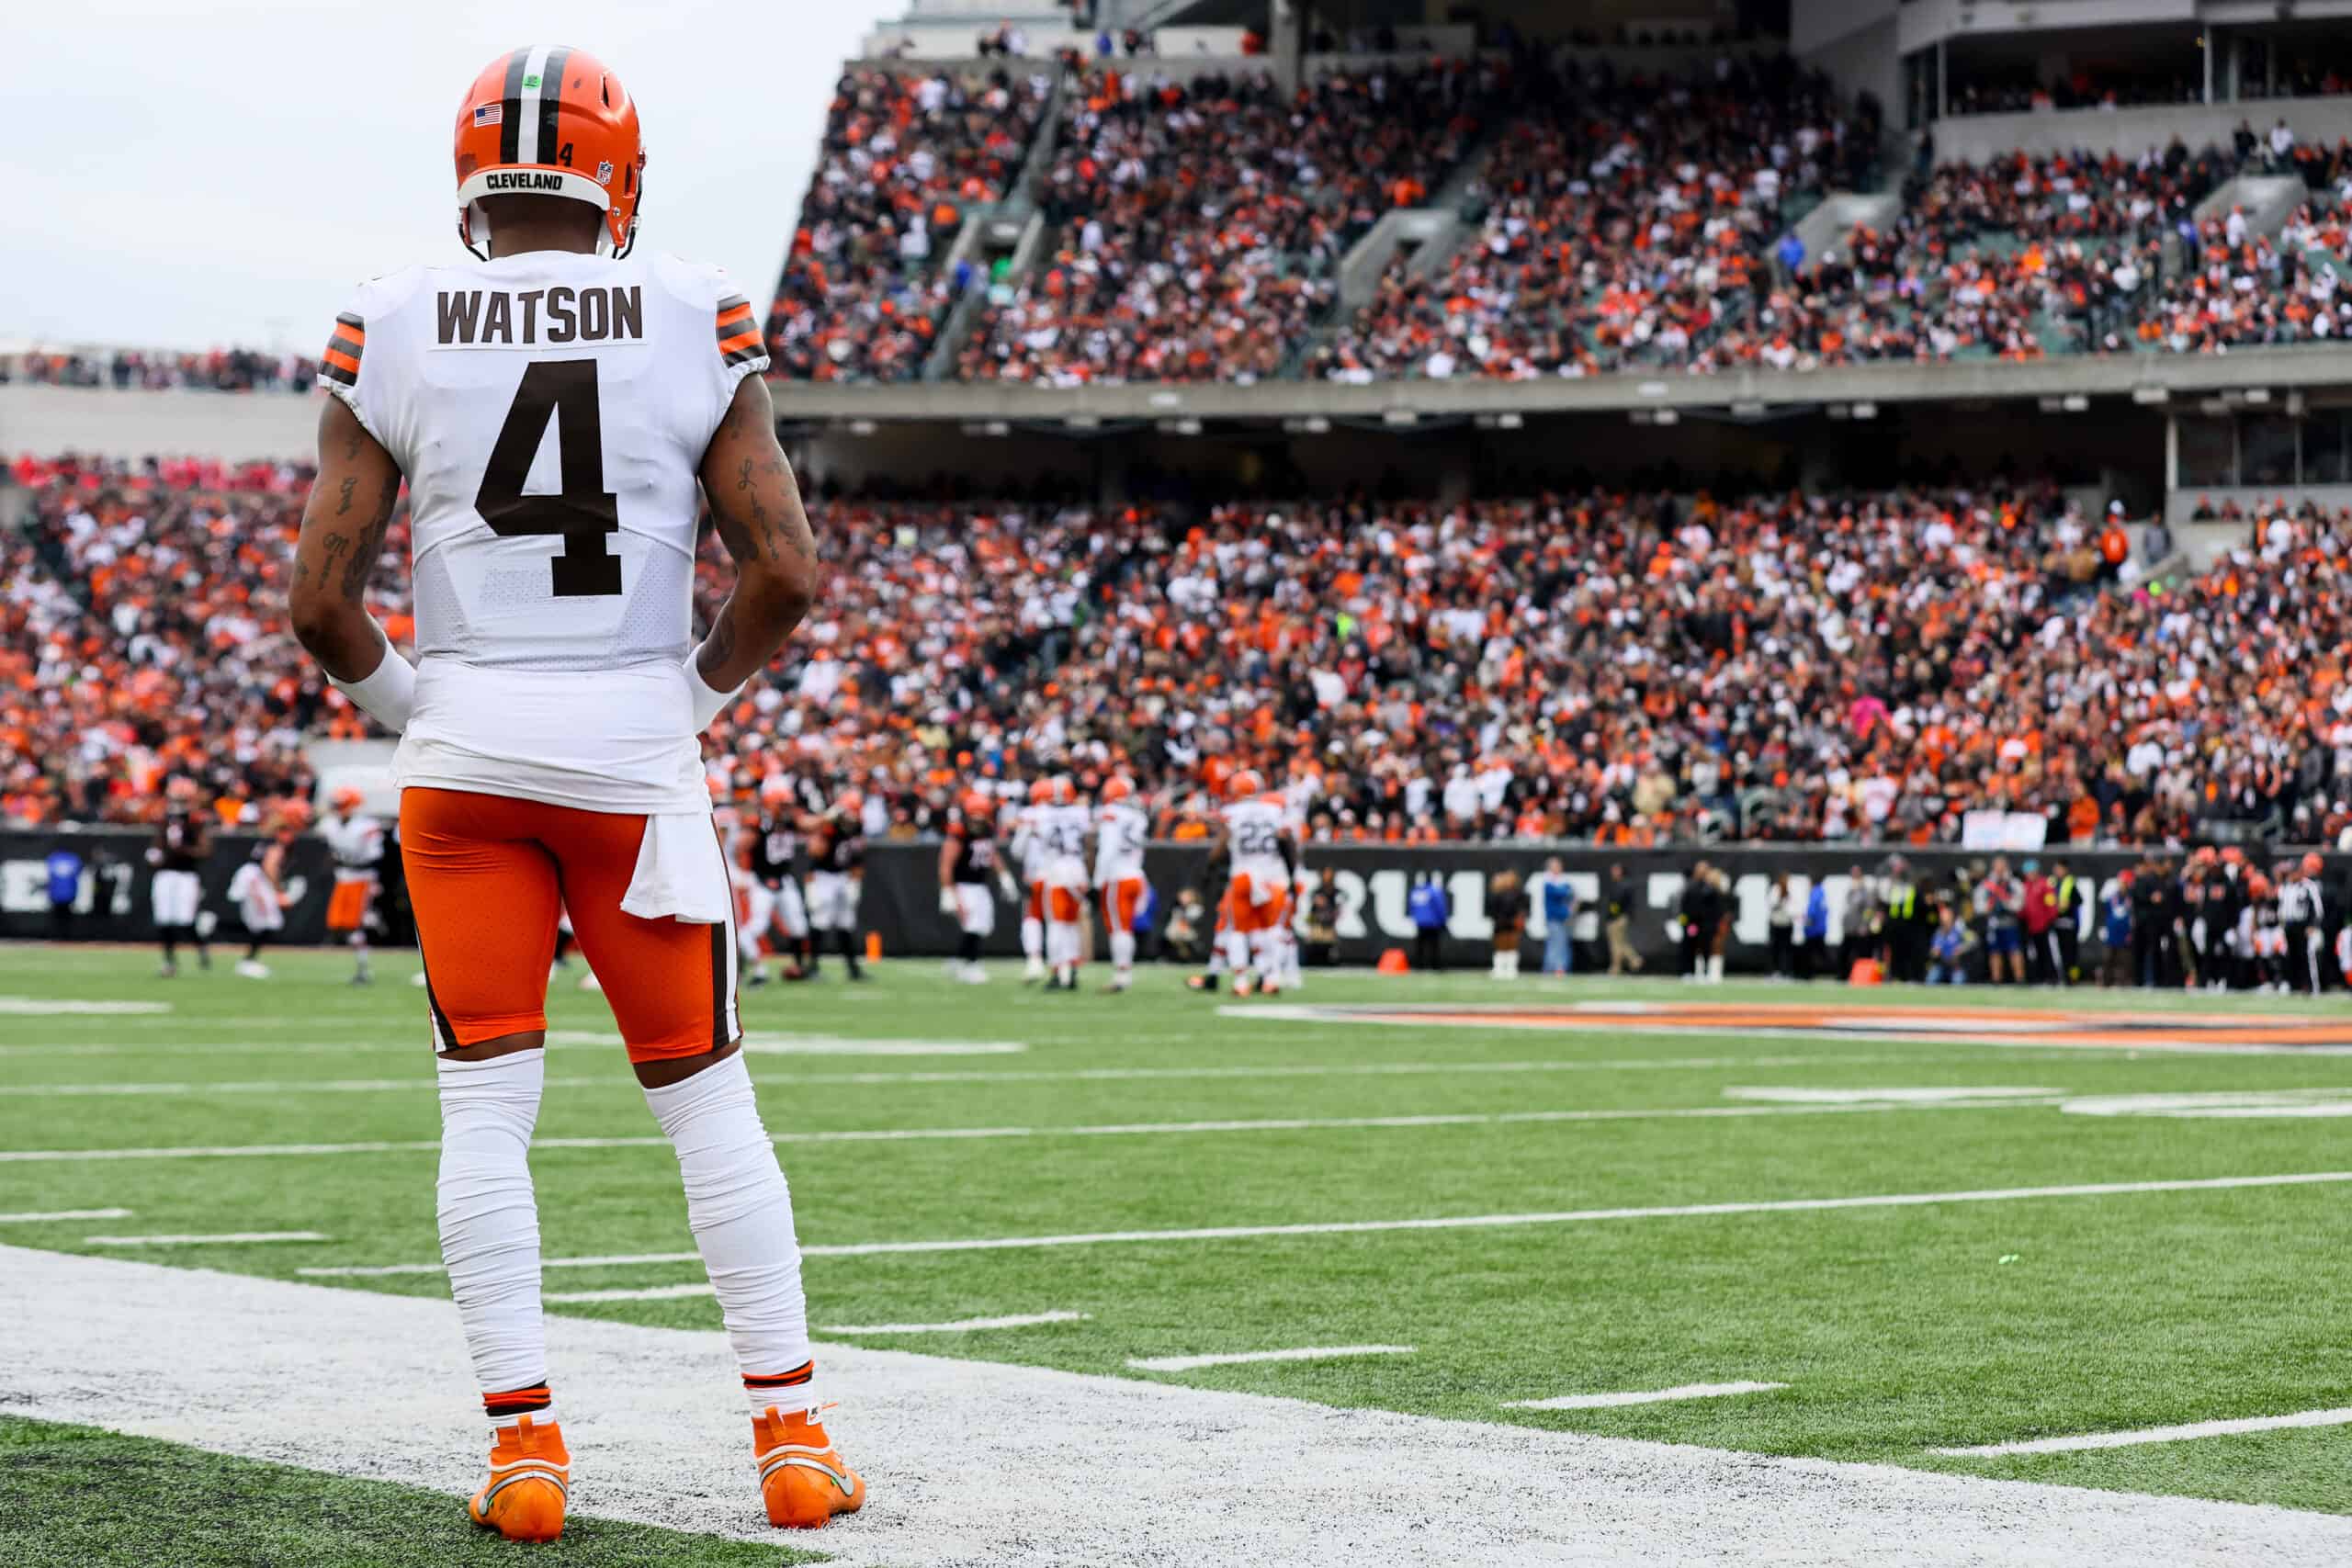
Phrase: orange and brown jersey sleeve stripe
(341, 361)
(739, 333)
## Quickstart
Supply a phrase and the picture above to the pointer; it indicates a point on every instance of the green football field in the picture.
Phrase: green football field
(1918, 1232)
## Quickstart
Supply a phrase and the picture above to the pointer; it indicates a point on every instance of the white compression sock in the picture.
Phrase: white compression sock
(1033, 937)
(1122, 952)
(1237, 952)
(489, 1221)
(740, 1211)
(1265, 952)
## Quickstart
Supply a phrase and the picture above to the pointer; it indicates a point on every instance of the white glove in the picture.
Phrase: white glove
(947, 899)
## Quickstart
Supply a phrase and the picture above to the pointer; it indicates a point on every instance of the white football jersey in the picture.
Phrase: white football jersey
(551, 412)
(1029, 839)
(358, 844)
(1254, 829)
(1120, 832)
(1063, 831)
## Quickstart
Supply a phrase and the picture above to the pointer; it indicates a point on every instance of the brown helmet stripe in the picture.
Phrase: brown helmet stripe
(510, 120)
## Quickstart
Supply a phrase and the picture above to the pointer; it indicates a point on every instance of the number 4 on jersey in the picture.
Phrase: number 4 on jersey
(584, 512)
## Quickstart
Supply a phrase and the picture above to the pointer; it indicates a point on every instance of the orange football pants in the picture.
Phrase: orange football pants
(486, 874)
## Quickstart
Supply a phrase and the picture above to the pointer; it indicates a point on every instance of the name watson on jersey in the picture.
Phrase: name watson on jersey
(541, 315)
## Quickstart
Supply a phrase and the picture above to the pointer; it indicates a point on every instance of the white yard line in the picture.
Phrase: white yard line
(1094, 1130)
(1446, 1223)
(552, 1298)
(1785, 1095)
(657, 1436)
(40, 1007)
(1241, 1358)
(223, 1238)
(1646, 1396)
(2153, 1434)
(961, 1324)
(56, 1215)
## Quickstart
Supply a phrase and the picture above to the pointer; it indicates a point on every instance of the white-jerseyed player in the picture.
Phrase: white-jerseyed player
(356, 842)
(1120, 832)
(1031, 852)
(1061, 830)
(1258, 895)
(554, 407)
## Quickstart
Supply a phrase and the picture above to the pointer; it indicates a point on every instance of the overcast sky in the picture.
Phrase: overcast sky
(201, 173)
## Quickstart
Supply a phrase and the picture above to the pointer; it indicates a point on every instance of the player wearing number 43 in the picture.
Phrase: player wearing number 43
(552, 405)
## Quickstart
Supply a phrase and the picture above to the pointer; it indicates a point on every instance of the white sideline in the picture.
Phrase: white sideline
(1444, 1223)
(1097, 1130)
(65, 1214)
(2086, 1440)
(961, 1324)
(1646, 1396)
(222, 1239)
(1240, 1357)
(657, 1435)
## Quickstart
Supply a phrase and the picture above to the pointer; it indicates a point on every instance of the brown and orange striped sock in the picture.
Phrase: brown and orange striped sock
(538, 1402)
(784, 1391)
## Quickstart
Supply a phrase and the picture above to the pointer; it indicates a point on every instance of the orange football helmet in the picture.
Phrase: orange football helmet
(346, 799)
(1116, 790)
(1041, 792)
(2313, 865)
(547, 120)
(1063, 792)
(1244, 784)
(976, 806)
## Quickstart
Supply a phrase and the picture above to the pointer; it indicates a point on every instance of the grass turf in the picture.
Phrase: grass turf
(76, 1497)
(1897, 1329)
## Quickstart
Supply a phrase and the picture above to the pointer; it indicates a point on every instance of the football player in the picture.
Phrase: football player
(259, 892)
(1257, 896)
(971, 874)
(1061, 830)
(1121, 831)
(183, 841)
(836, 877)
(1031, 849)
(775, 866)
(356, 842)
(552, 406)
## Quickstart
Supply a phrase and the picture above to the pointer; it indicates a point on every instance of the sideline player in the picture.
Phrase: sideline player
(552, 407)
(836, 878)
(775, 866)
(183, 841)
(258, 890)
(356, 842)
(1121, 831)
(971, 873)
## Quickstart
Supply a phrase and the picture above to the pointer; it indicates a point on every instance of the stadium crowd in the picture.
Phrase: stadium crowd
(904, 160)
(1200, 221)
(122, 370)
(1615, 668)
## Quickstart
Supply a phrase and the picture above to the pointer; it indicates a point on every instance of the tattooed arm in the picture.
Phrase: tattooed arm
(343, 534)
(757, 507)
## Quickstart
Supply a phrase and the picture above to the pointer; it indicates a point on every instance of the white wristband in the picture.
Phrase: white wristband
(388, 695)
(707, 703)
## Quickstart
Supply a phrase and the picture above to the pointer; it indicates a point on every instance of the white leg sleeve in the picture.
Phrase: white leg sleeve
(1061, 942)
(1033, 936)
(489, 1221)
(1237, 951)
(740, 1211)
(1123, 950)
(1263, 953)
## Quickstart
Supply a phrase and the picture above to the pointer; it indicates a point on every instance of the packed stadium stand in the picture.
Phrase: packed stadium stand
(1529, 436)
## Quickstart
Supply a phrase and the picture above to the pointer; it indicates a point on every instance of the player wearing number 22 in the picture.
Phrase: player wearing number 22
(553, 405)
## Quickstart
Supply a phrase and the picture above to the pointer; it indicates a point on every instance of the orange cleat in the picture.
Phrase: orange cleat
(531, 1476)
(803, 1479)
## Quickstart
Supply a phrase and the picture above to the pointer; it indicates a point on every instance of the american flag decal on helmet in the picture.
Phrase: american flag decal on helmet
(341, 361)
(489, 114)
